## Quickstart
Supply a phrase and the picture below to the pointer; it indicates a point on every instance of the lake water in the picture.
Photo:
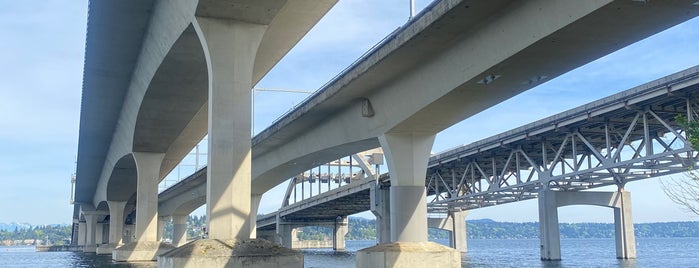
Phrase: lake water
(652, 252)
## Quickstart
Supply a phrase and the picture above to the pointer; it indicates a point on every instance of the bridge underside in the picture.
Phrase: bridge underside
(331, 209)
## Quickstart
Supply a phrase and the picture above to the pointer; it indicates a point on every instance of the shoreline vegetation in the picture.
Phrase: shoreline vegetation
(364, 229)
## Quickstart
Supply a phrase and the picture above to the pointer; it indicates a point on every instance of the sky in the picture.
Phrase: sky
(41, 60)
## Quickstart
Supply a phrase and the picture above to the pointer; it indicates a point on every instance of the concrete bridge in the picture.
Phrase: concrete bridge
(184, 69)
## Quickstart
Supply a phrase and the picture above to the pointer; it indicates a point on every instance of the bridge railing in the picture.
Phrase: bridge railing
(195, 160)
(333, 175)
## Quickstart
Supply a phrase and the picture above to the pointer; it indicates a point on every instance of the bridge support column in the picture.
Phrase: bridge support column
(179, 230)
(90, 233)
(619, 201)
(458, 237)
(82, 233)
(340, 231)
(99, 234)
(549, 234)
(116, 227)
(254, 206)
(381, 208)
(146, 247)
(623, 226)
(230, 48)
(455, 223)
(286, 233)
(407, 154)
(161, 227)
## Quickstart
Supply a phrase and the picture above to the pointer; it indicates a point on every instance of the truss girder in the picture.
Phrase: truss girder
(628, 136)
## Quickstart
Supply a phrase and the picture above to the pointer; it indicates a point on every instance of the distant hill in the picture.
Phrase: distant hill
(364, 229)
(13, 225)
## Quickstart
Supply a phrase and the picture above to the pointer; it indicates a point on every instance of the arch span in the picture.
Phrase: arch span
(122, 182)
(172, 116)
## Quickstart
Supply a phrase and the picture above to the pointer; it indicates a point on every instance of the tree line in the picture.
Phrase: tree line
(364, 229)
(56, 235)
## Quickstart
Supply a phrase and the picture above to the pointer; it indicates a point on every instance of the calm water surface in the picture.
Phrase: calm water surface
(656, 252)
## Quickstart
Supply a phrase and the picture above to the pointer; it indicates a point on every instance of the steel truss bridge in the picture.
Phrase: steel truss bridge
(625, 137)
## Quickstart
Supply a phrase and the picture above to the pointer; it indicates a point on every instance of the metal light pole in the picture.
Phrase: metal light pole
(412, 9)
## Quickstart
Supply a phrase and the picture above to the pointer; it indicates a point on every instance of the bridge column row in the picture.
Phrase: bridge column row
(619, 201)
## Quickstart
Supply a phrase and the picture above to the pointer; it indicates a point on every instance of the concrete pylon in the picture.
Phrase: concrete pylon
(99, 233)
(455, 223)
(116, 227)
(340, 230)
(407, 154)
(381, 208)
(146, 247)
(254, 206)
(623, 226)
(549, 234)
(285, 233)
(82, 233)
(161, 227)
(619, 201)
(458, 238)
(230, 48)
(179, 230)
(90, 231)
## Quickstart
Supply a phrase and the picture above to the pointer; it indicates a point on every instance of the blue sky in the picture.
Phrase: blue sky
(41, 60)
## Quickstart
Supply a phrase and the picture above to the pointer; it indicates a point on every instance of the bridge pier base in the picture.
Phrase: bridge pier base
(619, 201)
(407, 155)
